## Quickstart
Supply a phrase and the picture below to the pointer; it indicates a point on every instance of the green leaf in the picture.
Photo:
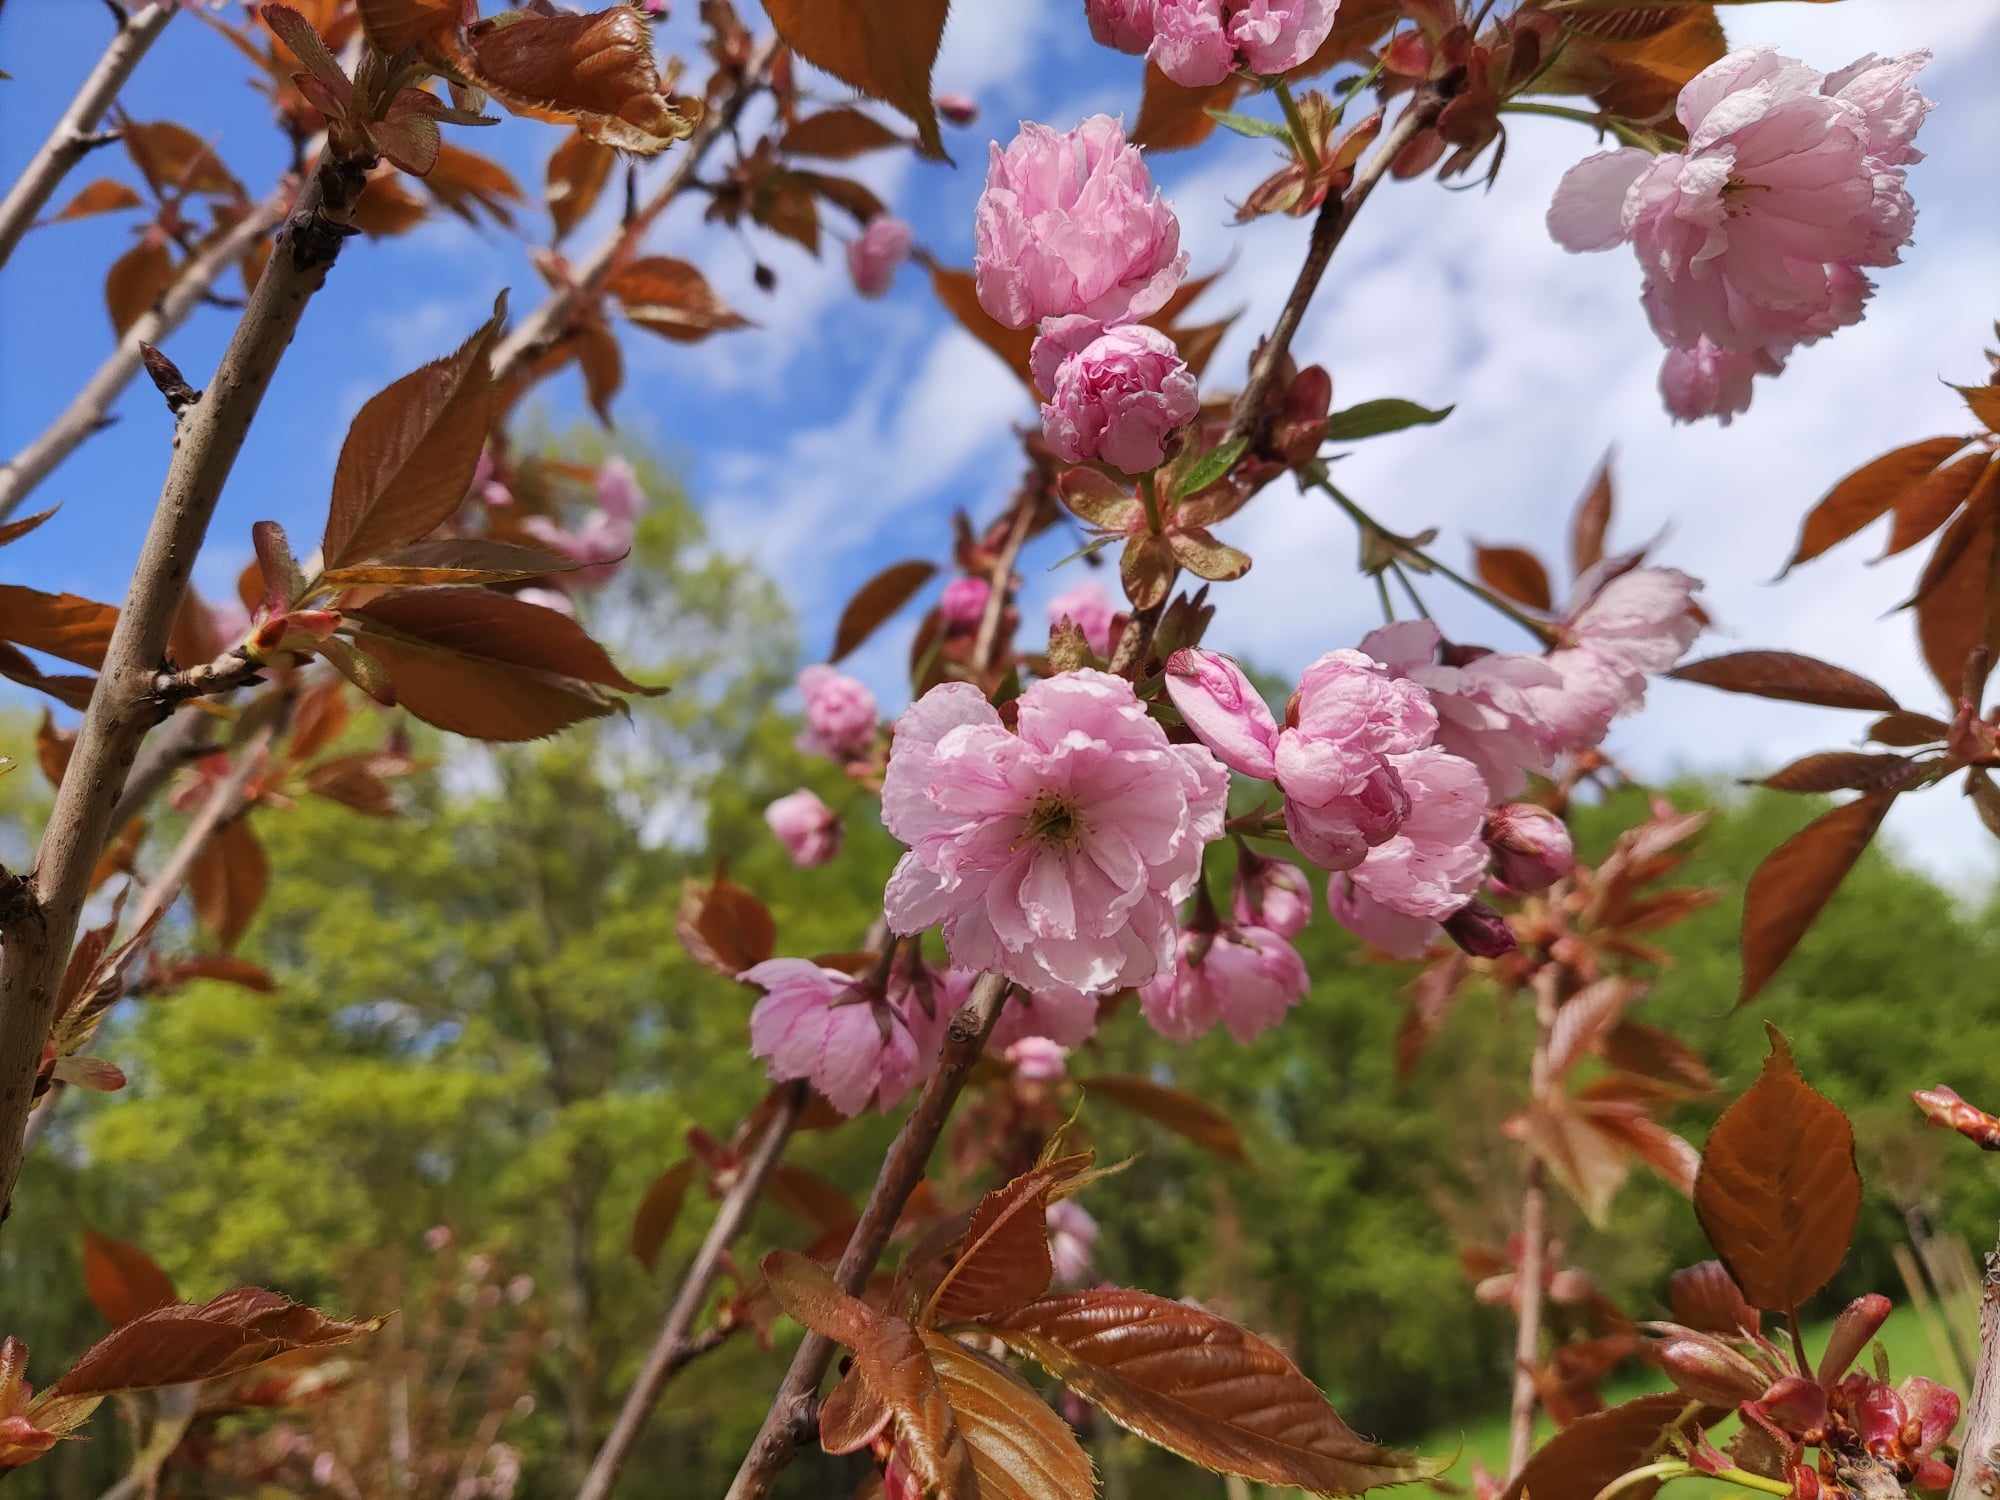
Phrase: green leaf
(1250, 125)
(1373, 418)
(1210, 467)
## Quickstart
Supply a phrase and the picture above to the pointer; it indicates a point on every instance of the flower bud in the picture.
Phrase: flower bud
(1480, 931)
(957, 109)
(1118, 397)
(1707, 1369)
(963, 604)
(1878, 1414)
(1225, 712)
(874, 254)
(806, 826)
(1126, 25)
(1531, 846)
(1852, 1330)
(1271, 893)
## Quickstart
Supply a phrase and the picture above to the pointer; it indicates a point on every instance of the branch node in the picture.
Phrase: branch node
(167, 378)
(18, 903)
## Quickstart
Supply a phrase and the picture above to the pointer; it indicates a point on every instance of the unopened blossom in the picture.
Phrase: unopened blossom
(1752, 238)
(806, 826)
(1126, 25)
(1200, 42)
(1071, 224)
(1244, 978)
(1638, 624)
(1336, 756)
(1089, 608)
(1226, 712)
(1531, 846)
(1072, 1238)
(840, 713)
(1430, 868)
(1118, 399)
(874, 254)
(963, 603)
(1271, 893)
(1484, 708)
(820, 1025)
(1036, 1059)
(1054, 853)
(958, 109)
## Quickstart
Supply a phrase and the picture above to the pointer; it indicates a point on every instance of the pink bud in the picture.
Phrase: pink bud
(963, 605)
(808, 828)
(874, 254)
(957, 109)
(1272, 893)
(1225, 712)
(1480, 931)
(1531, 846)
(1856, 1325)
(1126, 25)
(1117, 398)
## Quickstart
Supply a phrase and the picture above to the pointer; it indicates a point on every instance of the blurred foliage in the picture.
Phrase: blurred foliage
(486, 1022)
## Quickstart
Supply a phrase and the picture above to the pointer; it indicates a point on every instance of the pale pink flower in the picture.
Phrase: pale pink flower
(1036, 1059)
(1377, 925)
(840, 714)
(806, 826)
(1629, 625)
(1430, 868)
(601, 543)
(1072, 1237)
(1126, 25)
(963, 604)
(1070, 223)
(1342, 791)
(1217, 701)
(1066, 1017)
(858, 1052)
(1705, 381)
(1531, 846)
(1091, 610)
(1119, 398)
(1271, 893)
(1485, 710)
(1200, 42)
(618, 493)
(874, 254)
(1054, 854)
(1884, 90)
(1244, 978)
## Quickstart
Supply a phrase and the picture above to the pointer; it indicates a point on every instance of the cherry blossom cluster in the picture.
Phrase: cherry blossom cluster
(1201, 42)
(1074, 241)
(1754, 239)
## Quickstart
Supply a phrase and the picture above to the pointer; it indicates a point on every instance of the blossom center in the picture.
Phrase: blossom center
(1054, 821)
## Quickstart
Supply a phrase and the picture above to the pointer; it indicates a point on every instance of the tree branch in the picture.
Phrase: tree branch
(183, 739)
(1529, 1275)
(675, 1347)
(547, 324)
(229, 671)
(75, 132)
(123, 709)
(1978, 1471)
(88, 409)
(789, 1421)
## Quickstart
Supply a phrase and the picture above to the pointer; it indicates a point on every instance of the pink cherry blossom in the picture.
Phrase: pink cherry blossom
(1200, 42)
(1126, 25)
(618, 493)
(1091, 610)
(1036, 1059)
(1706, 381)
(806, 826)
(1629, 625)
(958, 109)
(1224, 710)
(1531, 846)
(1072, 1237)
(1071, 224)
(601, 543)
(963, 604)
(1430, 868)
(1244, 978)
(858, 1052)
(1342, 792)
(874, 254)
(1884, 90)
(1119, 398)
(1056, 853)
(1272, 893)
(840, 714)
(1381, 927)
(1068, 1017)
(1485, 711)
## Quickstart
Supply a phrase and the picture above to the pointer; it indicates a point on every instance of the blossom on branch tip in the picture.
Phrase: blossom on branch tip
(840, 714)
(1271, 893)
(1054, 853)
(806, 826)
(821, 1025)
(1531, 846)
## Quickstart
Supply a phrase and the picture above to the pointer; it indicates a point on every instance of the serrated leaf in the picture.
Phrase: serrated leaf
(1933, 500)
(228, 880)
(449, 562)
(1210, 467)
(1779, 1194)
(1867, 493)
(1789, 677)
(1908, 730)
(1515, 573)
(1589, 1453)
(837, 135)
(1840, 770)
(959, 294)
(577, 172)
(183, 1343)
(63, 625)
(1984, 403)
(1373, 418)
(875, 601)
(1181, 1112)
(884, 48)
(1797, 879)
(671, 298)
(595, 71)
(658, 1210)
(1020, 1449)
(1003, 1259)
(1956, 598)
(725, 926)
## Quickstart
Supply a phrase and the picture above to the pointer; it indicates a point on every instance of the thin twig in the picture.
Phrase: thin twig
(229, 671)
(789, 1421)
(122, 708)
(76, 132)
(1977, 1475)
(1528, 1276)
(676, 1346)
(1003, 575)
(87, 410)
(181, 740)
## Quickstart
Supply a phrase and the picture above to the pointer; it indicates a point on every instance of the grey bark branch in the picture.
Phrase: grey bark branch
(76, 132)
(123, 708)
(1977, 1476)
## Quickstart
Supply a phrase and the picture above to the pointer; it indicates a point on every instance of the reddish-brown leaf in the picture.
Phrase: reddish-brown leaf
(1173, 116)
(838, 135)
(1984, 401)
(396, 25)
(1787, 676)
(594, 70)
(1585, 1020)
(810, 1197)
(137, 280)
(956, 290)
(884, 48)
(223, 968)
(845, 194)
(725, 926)
(467, 183)
(1516, 573)
(1200, 1386)
(1867, 493)
(875, 601)
(1649, 1052)
(13, 531)
(784, 203)
(70, 689)
(1585, 1161)
(1146, 570)
(1934, 499)
(577, 173)
(1705, 1297)
(356, 782)
(123, 1281)
(1955, 598)
(1020, 1449)
(671, 298)
(1797, 879)
(449, 561)
(1592, 1451)
(1003, 1260)
(602, 364)
(1592, 521)
(1839, 771)
(100, 197)
(182, 1343)
(1181, 1112)
(1907, 730)
(410, 453)
(52, 749)
(1778, 1193)
(175, 160)
(228, 881)
(659, 1209)
(852, 1416)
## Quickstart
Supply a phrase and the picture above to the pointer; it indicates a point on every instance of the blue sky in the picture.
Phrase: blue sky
(839, 434)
